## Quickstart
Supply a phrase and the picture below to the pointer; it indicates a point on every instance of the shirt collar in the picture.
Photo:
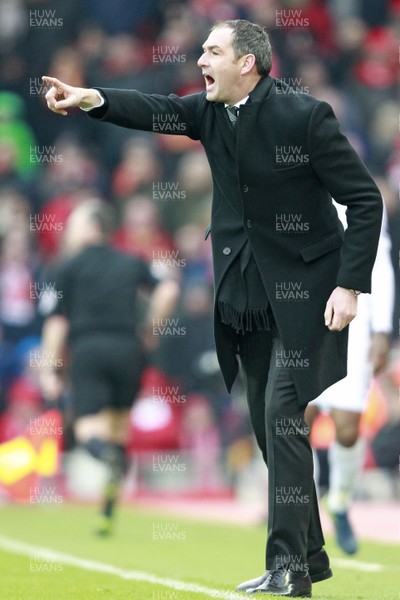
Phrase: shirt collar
(238, 103)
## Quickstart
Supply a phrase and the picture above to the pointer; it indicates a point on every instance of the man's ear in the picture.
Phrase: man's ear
(248, 62)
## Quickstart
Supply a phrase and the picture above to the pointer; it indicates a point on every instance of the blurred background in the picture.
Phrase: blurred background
(343, 51)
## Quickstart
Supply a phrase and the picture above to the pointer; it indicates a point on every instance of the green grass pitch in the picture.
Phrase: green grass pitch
(160, 546)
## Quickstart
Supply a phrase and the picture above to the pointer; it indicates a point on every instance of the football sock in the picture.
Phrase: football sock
(96, 447)
(114, 458)
(344, 466)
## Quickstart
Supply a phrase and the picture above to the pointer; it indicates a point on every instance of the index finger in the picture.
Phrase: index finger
(51, 80)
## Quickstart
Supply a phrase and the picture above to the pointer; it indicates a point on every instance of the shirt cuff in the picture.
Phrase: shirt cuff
(100, 97)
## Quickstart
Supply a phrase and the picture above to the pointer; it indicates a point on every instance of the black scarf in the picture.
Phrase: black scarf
(242, 300)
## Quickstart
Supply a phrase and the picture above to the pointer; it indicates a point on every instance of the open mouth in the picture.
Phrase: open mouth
(209, 81)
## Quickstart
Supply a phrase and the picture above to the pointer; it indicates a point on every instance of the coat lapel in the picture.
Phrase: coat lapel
(249, 112)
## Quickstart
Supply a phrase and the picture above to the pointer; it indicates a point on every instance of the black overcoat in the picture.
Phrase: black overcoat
(275, 186)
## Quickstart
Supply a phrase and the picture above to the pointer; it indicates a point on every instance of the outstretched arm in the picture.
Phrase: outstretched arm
(61, 96)
(130, 108)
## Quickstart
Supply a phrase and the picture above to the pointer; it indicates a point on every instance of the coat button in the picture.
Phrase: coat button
(245, 188)
(249, 223)
(226, 251)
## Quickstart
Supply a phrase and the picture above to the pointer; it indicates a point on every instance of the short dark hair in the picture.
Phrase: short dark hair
(250, 38)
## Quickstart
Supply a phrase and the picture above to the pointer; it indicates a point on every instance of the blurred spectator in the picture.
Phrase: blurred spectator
(24, 397)
(197, 267)
(14, 211)
(16, 133)
(383, 130)
(189, 360)
(376, 72)
(182, 356)
(68, 168)
(200, 436)
(9, 369)
(17, 304)
(141, 232)
(137, 170)
(124, 16)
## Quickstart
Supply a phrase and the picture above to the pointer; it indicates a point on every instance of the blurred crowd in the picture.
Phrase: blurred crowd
(343, 51)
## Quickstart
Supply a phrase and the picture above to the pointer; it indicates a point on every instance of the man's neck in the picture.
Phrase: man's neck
(244, 92)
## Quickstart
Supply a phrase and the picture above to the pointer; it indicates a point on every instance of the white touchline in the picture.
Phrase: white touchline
(17, 547)
(357, 565)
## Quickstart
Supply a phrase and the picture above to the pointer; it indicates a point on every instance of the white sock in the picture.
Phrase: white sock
(345, 465)
(316, 470)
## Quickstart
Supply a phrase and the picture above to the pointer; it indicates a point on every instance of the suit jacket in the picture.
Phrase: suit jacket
(275, 187)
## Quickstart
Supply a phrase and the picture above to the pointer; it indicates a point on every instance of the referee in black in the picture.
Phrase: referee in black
(96, 316)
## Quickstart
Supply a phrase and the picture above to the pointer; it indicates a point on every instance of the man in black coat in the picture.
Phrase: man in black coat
(286, 277)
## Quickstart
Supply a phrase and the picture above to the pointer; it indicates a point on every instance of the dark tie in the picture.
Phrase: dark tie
(233, 112)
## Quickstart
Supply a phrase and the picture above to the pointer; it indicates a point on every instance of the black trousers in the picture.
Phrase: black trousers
(294, 528)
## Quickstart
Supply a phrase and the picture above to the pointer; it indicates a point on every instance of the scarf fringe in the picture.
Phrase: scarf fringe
(244, 321)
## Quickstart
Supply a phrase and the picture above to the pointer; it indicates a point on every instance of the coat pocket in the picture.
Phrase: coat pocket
(330, 242)
(293, 170)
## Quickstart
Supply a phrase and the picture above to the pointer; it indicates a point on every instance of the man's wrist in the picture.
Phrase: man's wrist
(351, 290)
(92, 99)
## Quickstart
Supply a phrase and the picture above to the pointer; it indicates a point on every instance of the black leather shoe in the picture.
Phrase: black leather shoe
(252, 583)
(284, 582)
(318, 568)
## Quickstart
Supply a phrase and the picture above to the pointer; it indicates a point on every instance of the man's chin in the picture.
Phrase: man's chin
(212, 95)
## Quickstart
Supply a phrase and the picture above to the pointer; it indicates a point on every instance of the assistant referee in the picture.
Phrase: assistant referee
(96, 315)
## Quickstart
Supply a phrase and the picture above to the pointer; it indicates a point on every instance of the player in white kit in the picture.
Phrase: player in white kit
(368, 349)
